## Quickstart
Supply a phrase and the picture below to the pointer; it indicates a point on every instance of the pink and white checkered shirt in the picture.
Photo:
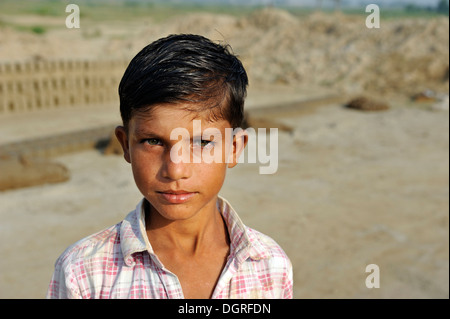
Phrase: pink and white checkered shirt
(119, 262)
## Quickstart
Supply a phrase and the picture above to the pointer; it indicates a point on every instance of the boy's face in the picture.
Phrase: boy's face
(178, 191)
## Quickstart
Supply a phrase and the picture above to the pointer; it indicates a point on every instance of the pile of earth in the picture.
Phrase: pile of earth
(331, 50)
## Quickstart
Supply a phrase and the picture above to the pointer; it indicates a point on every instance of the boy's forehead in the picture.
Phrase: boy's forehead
(157, 113)
(163, 117)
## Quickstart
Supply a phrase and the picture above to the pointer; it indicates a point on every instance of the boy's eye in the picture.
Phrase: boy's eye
(152, 141)
(203, 143)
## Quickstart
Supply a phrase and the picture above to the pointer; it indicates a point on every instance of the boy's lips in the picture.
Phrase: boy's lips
(176, 197)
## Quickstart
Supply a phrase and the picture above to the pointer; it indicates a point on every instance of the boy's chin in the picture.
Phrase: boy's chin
(174, 212)
(186, 210)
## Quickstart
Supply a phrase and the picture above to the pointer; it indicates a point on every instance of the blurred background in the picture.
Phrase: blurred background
(362, 115)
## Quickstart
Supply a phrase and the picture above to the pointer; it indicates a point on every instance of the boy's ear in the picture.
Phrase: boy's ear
(122, 137)
(240, 140)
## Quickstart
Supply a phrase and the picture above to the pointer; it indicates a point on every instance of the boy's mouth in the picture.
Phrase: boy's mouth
(176, 197)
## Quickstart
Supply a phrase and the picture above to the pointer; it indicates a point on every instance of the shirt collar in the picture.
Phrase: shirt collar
(244, 243)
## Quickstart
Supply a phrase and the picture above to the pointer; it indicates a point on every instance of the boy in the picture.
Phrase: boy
(182, 240)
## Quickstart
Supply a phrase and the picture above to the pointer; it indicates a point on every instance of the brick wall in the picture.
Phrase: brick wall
(39, 85)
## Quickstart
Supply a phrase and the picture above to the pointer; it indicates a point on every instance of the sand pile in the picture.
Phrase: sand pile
(335, 51)
(339, 51)
(25, 172)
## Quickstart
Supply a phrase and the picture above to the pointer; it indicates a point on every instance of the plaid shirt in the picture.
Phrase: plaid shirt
(119, 262)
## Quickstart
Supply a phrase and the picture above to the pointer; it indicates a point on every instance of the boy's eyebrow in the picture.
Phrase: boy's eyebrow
(146, 132)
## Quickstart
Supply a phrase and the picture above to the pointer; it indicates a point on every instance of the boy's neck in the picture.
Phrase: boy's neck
(191, 236)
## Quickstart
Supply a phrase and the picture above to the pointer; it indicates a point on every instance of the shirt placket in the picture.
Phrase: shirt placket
(234, 261)
(169, 280)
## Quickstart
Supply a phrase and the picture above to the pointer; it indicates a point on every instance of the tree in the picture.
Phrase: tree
(442, 7)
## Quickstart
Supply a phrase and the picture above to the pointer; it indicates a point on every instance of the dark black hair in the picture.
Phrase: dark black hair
(188, 69)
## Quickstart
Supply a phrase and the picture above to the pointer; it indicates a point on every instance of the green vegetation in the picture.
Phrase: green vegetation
(409, 11)
(392, 14)
(102, 10)
(441, 8)
(110, 11)
(38, 29)
(40, 7)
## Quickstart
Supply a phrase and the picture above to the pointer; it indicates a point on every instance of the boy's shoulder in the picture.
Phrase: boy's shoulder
(98, 245)
(261, 246)
(117, 241)
(266, 247)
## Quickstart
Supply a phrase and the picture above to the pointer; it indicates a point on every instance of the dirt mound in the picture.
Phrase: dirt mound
(364, 103)
(267, 19)
(338, 51)
(334, 51)
(215, 27)
(23, 172)
(113, 147)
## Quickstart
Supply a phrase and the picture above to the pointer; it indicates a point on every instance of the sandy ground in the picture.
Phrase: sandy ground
(352, 189)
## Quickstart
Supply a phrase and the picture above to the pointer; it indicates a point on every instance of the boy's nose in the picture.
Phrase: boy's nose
(176, 171)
